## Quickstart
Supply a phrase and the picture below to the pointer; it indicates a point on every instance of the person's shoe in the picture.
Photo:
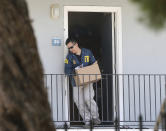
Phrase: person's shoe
(96, 121)
(87, 125)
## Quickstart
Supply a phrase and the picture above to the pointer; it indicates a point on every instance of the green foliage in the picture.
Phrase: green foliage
(154, 12)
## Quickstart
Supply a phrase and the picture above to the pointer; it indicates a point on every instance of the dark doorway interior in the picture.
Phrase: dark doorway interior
(94, 31)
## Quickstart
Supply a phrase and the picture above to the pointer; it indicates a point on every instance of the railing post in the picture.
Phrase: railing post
(140, 122)
(117, 122)
(65, 126)
(117, 125)
(91, 125)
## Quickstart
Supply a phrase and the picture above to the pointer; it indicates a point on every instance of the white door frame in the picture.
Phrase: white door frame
(117, 40)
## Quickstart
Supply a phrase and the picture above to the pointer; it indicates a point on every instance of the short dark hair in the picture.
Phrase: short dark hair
(71, 39)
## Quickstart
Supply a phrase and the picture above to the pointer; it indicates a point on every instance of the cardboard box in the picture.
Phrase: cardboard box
(88, 74)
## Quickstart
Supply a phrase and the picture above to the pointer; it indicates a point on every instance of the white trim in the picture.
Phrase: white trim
(117, 11)
(119, 61)
(113, 58)
(65, 53)
(91, 8)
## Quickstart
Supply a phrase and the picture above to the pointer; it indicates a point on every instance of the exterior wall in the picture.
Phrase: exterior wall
(143, 50)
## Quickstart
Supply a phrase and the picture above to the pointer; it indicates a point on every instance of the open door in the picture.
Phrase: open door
(94, 31)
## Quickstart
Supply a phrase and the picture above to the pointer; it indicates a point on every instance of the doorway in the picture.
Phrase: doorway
(94, 30)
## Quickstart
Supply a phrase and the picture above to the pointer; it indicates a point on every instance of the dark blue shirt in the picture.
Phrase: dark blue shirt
(72, 62)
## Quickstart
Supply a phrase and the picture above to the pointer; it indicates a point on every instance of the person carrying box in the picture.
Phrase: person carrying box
(83, 95)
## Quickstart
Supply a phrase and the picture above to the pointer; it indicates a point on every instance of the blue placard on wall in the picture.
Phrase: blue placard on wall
(56, 42)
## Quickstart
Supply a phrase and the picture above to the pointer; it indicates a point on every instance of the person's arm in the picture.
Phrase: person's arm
(68, 66)
(92, 58)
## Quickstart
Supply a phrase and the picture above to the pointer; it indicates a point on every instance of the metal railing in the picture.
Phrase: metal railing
(121, 99)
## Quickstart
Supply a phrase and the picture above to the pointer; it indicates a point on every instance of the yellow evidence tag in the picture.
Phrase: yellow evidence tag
(66, 61)
(86, 58)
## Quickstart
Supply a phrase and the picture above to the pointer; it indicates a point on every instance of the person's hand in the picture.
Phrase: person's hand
(78, 67)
